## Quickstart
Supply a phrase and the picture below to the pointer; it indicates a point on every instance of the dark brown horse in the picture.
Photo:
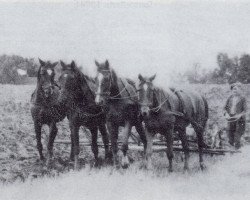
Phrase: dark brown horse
(171, 111)
(118, 97)
(44, 106)
(79, 100)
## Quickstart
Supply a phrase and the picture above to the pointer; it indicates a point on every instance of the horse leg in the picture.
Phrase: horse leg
(75, 137)
(105, 139)
(113, 131)
(169, 141)
(72, 147)
(141, 132)
(200, 141)
(149, 150)
(52, 135)
(184, 142)
(38, 127)
(94, 146)
(124, 148)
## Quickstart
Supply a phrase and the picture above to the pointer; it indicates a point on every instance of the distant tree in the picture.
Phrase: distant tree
(234, 70)
(10, 65)
(9, 73)
(229, 70)
(226, 68)
(193, 75)
(244, 69)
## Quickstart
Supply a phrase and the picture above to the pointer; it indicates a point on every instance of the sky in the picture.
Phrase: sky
(146, 38)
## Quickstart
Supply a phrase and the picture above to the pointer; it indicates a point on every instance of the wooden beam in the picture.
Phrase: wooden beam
(158, 147)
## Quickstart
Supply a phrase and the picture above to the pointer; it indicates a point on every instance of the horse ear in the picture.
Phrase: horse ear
(42, 63)
(152, 78)
(39, 73)
(141, 78)
(54, 64)
(107, 63)
(73, 65)
(64, 66)
(97, 63)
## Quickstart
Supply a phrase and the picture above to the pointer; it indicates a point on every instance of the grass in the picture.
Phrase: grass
(225, 177)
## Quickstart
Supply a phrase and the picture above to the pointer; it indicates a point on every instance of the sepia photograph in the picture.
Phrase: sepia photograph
(124, 99)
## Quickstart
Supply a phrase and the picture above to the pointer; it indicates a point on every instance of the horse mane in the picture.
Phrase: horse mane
(86, 80)
(38, 74)
(114, 90)
(161, 96)
(113, 75)
(83, 76)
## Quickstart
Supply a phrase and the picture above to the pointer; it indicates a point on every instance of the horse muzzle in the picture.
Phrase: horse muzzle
(99, 100)
(145, 111)
(48, 91)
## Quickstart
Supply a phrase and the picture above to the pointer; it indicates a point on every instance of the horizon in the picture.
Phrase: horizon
(136, 38)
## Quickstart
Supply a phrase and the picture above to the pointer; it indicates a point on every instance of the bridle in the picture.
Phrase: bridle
(158, 108)
(107, 94)
(73, 106)
(110, 82)
(154, 109)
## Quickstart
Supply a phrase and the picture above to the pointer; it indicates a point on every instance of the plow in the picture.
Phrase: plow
(159, 145)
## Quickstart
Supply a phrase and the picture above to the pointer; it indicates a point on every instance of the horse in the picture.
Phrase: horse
(45, 109)
(169, 111)
(119, 100)
(77, 96)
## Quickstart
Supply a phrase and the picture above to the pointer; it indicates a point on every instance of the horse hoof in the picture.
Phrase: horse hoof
(49, 163)
(149, 167)
(202, 166)
(97, 164)
(125, 162)
(76, 166)
(125, 166)
(108, 156)
(109, 161)
(186, 168)
(117, 167)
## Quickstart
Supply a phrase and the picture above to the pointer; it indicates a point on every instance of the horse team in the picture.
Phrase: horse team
(109, 101)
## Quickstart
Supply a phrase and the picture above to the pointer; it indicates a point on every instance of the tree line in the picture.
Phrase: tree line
(229, 70)
(16, 69)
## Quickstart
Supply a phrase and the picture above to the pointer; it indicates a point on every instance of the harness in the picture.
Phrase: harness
(107, 94)
(52, 87)
(158, 108)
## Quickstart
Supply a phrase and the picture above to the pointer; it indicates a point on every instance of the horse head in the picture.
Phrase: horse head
(103, 82)
(146, 92)
(45, 77)
(74, 86)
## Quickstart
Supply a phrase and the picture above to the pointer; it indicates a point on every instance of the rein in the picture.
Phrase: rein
(116, 96)
(44, 98)
(236, 117)
(120, 92)
(157, 108)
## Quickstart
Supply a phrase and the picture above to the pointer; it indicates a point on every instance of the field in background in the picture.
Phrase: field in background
(19, 158)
